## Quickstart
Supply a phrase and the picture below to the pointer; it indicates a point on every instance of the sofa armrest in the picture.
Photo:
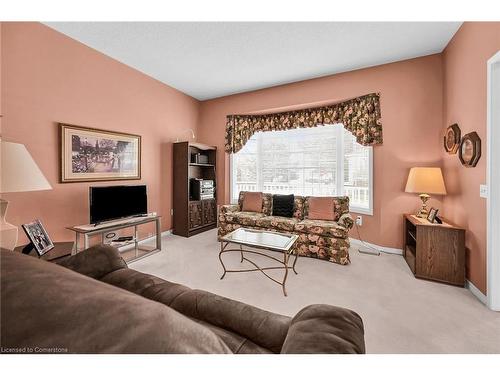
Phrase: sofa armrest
(325, 329)
(96, 261)
(346, 221)
(225, 209)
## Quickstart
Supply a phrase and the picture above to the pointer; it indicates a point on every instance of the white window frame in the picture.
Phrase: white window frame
(340, 152)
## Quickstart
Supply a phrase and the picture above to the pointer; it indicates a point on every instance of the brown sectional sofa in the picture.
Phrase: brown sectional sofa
(93, 303)
(321, 239)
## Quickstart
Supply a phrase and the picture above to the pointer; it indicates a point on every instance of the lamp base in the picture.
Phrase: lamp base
(8, 232)
(423, 212)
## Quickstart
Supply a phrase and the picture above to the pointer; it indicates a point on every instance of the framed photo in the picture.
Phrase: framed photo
(470, 150)
(89, 154)
(38, 237)
(432, 214)
(452, 139)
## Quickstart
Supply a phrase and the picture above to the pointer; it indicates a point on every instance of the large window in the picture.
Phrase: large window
(319, 161)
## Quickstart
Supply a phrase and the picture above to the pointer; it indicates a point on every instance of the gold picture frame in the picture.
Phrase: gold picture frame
(452, 139)
(90, 154)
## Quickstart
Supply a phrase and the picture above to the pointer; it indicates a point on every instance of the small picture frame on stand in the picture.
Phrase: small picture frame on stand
(39, 238)
(431, 217)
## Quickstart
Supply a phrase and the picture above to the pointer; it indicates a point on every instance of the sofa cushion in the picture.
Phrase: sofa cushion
(298, 210)
(321, 208)
(340, 204)
(267, 202)
(263, 328)
(283, 205)
(322, 228)
(277, 222)
(252, 202)
(238, 344)
(243, 218)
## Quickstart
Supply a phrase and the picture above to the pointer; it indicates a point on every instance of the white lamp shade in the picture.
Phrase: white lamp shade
(19, 171)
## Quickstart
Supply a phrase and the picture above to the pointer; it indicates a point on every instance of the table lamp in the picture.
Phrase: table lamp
(425, 181)
(19, 172)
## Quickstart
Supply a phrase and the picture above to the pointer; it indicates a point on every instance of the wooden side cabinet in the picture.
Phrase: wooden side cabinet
(434, 251)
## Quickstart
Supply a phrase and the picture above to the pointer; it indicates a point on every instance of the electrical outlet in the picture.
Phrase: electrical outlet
(171, 212)
(359, 221)
(483, 191)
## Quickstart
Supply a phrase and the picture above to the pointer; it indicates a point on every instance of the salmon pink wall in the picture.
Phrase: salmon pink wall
(464, 61)
(49, 78)
(411, 104)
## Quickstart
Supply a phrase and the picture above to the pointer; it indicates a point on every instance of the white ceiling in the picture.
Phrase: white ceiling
(212, 59)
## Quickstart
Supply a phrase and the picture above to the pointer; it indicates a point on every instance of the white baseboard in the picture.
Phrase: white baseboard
(476, 292)
(382, 249)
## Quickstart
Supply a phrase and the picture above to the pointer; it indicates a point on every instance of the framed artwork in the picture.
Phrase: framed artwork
(38, 237)
(452, 139)
(470, 150)
(89, 154)
(432, 214)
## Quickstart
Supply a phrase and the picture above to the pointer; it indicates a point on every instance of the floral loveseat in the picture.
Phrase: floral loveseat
(321, 239)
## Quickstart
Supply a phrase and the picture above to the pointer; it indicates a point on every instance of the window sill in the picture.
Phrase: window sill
(363, 211)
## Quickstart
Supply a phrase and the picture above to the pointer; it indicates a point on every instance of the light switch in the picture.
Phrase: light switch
(483, 191)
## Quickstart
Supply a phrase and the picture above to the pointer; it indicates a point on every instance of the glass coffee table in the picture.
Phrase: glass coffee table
(260, 239)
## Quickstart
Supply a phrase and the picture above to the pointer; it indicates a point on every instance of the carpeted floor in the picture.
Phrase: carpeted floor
(401, 314)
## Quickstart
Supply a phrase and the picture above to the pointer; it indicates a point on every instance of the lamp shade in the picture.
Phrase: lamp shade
(19, 171)
(425, 181)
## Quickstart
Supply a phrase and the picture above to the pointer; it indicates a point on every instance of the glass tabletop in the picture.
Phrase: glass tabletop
(265, 239)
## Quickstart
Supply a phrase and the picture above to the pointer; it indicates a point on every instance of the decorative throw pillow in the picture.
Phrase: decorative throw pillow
(321, 208)
(283, 205)
(252, 202)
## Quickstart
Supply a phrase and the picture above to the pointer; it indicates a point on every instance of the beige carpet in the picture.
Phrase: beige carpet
(401, 314)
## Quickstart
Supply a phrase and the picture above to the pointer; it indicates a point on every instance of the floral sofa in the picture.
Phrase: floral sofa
(321, 239)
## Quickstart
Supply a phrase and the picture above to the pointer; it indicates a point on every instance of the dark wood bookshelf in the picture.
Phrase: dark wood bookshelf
(192, 216)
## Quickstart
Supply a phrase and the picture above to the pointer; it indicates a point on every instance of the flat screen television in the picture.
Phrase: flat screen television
(116, 202)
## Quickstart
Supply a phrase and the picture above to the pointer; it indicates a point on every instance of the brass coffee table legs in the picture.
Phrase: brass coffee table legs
(284, 263)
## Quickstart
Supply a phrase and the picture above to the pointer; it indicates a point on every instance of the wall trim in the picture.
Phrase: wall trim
(382, 249)
(493, 183)
(476, 292)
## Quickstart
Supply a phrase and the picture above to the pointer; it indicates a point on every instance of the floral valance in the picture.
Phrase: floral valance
(361, 116)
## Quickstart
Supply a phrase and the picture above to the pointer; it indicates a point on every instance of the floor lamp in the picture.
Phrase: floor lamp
(19, 173)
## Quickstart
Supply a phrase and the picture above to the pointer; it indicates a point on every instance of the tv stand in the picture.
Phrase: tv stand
(133, 249)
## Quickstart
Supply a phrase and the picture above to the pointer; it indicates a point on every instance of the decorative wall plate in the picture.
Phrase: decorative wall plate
(470, 150)
(452, 139)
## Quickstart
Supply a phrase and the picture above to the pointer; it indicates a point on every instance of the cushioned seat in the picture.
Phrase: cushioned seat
(318, 238)
(243, 218)
(321, 227)
(277, 222)
(126, 311)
